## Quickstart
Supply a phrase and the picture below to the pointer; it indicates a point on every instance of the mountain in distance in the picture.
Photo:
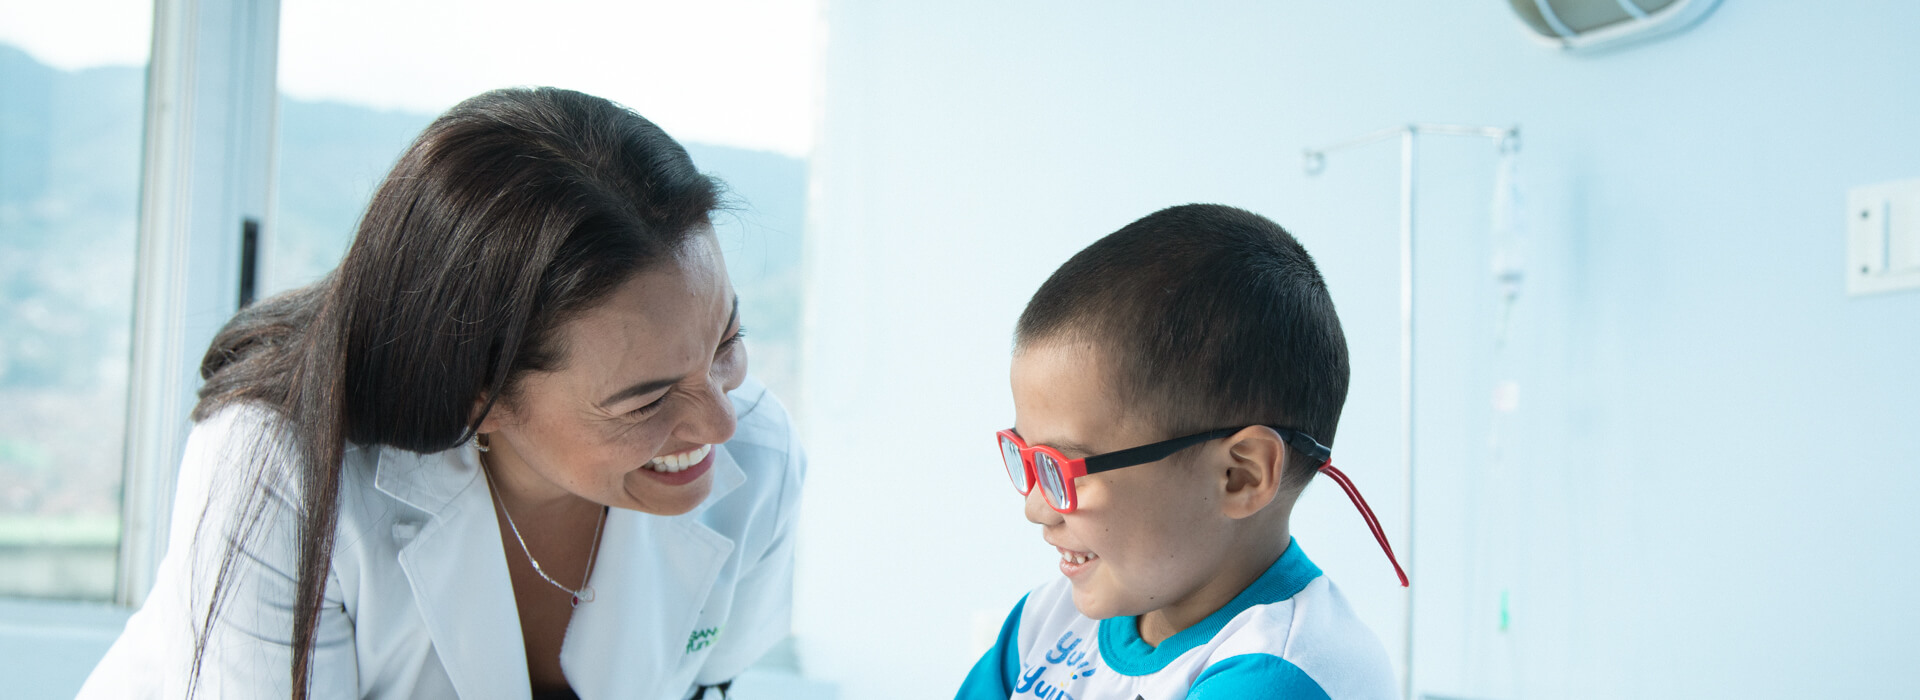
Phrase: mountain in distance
(332, 156)
(69, 193)
(70, 150)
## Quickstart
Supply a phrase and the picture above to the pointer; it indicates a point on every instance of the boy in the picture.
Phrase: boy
(1211, 326)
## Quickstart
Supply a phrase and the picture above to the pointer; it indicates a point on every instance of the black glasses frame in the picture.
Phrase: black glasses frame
(1132, 456)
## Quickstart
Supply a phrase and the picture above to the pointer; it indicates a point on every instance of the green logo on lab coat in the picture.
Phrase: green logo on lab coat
(701, 639)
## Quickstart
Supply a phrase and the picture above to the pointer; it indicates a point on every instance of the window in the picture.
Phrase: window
(70, 147)
(111, 284)
(355, 93)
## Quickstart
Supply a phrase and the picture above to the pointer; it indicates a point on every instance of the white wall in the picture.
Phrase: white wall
(1707, 490)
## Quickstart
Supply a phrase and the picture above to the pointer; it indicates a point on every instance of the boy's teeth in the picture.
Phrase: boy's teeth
(673, 463)
(1076, 558)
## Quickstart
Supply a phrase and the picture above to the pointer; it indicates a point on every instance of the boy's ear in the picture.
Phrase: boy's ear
(1256, 467)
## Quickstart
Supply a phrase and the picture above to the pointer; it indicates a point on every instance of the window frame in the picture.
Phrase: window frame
(206, 166)
(206, 169)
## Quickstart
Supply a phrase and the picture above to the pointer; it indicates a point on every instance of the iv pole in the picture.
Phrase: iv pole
(1314, 161)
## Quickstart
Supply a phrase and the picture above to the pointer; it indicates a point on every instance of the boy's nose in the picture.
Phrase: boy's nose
(1038, 512)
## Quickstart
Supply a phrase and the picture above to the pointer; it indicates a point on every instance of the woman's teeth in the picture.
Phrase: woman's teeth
(1076, 557)
(673, 463)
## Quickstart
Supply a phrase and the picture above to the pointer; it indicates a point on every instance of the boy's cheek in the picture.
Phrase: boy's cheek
(1101, 493)
(1097, 600)
(1110, 595)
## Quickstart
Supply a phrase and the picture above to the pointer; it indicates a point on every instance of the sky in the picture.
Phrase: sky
(741, 73)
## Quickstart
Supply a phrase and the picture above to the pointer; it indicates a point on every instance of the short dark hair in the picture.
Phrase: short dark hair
(1208, 317)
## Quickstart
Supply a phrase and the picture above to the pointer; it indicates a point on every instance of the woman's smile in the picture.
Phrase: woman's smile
(683, 468)
(678, 461)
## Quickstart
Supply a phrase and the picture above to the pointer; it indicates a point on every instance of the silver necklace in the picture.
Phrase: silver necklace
(585, 592)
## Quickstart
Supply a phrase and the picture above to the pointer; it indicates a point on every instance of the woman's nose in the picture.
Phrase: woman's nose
(712, 421)
(1038, 512)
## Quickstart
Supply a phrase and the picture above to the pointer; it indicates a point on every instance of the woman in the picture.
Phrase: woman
(507, 448)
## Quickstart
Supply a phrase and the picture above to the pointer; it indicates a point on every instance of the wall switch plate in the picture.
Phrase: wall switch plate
(1883, 237)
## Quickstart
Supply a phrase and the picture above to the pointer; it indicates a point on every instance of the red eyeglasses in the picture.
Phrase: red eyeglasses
(1042, 464)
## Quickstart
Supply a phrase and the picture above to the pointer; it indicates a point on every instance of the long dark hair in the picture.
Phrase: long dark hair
(512, 212)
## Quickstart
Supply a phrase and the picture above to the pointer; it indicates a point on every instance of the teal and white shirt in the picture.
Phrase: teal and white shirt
(1290, 634)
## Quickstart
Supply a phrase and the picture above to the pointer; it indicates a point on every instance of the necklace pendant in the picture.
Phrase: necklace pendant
(584, 595)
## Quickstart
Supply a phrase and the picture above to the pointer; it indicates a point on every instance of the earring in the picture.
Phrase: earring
(480, 443)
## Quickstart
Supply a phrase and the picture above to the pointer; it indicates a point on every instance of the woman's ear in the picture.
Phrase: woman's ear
(1256, 465)
(495, 416)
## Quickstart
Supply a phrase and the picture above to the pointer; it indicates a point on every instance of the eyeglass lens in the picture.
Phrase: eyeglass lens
(1010, 456)
(1056, 490)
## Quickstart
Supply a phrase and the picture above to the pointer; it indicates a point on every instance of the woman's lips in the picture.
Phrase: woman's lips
(681, 468)
(679, 460)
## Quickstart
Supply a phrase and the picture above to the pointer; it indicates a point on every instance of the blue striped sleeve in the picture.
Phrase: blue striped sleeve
(994, 676)
(1254, 676)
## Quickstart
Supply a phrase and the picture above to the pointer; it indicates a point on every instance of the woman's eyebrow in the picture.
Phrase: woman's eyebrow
(641, 389)
(649, 387)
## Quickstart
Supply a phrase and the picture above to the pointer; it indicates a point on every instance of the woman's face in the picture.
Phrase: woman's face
(630, 416)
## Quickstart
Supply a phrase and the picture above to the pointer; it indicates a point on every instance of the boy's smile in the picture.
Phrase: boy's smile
(1074, 563)
(1150, 540)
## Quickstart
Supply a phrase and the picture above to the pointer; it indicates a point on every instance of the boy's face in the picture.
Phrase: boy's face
(1153, 536)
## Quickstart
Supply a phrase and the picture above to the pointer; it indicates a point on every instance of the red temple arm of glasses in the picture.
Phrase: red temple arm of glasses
(1373, 523)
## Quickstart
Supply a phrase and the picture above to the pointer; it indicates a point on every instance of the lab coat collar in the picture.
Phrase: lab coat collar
(430, 481)
(651, 580)
(650, 584)
(458, 569)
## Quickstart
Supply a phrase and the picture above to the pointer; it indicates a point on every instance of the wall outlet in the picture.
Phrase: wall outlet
(1883, 237)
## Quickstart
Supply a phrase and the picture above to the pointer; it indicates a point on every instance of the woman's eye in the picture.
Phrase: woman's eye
(733, 341)
(649, 408)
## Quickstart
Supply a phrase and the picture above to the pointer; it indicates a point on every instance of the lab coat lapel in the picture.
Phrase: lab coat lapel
(458, 570)
(653, 577)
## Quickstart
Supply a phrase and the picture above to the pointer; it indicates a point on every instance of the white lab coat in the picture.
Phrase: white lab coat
(418, 603)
